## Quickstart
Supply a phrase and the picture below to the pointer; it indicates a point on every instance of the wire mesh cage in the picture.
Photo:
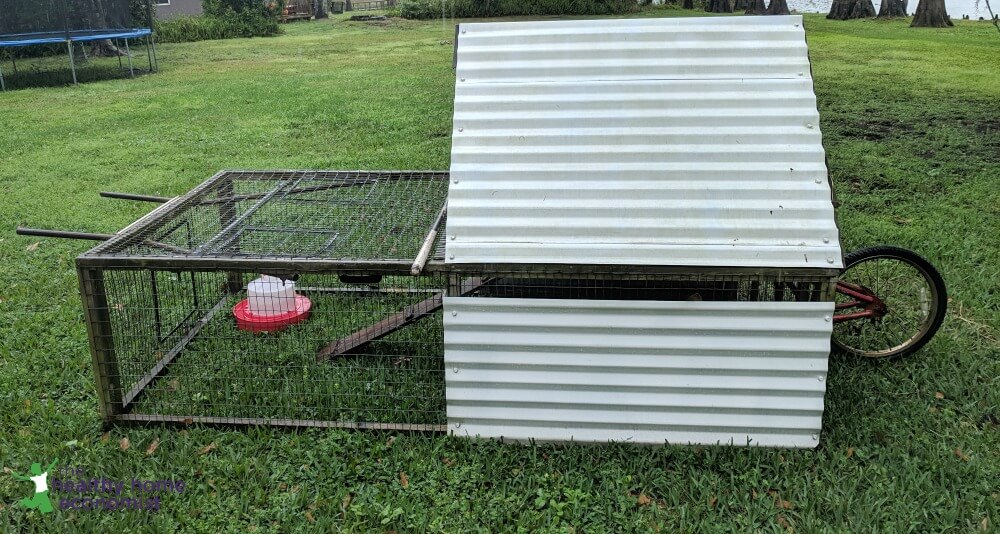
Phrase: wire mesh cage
(163, 300)
(167, 348)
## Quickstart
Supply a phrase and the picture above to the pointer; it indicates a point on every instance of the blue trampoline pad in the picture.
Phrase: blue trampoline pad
(28, 39)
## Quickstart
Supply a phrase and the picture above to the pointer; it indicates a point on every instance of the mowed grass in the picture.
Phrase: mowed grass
(228, 373)
(910, 122)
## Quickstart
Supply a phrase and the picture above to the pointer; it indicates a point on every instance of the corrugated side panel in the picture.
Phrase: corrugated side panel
(647, 142)
(637, 371)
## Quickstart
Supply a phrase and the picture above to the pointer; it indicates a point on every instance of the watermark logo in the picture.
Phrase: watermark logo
(77, 490)
(40, 501)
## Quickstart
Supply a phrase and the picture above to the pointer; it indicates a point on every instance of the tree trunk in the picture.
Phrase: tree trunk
(780, 7)
(852, 9)
(740, 5)
(756, 7)
(892, 8)
(688, 4)
(719, 6)
(105, 48)
(319, 11)
(931, 14)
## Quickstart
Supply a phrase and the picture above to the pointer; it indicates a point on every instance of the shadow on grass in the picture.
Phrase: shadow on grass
(55, 71)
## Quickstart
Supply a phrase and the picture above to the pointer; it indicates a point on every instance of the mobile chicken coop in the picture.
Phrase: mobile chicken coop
(637, 243)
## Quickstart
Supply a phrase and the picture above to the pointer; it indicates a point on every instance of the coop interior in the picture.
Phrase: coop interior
(713, 287)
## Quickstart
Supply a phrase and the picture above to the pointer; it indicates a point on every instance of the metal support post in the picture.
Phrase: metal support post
(72, 64)
(98, 319)
(128, 53)
(156, 62)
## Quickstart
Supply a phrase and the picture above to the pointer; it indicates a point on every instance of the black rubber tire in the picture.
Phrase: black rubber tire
(931, 275)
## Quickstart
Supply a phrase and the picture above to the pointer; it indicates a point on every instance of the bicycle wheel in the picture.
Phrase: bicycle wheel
(912, 306)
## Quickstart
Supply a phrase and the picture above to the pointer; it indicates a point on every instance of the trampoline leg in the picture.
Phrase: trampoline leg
(129, 54)
(3, 85)
(156, 61)
(72, 64)
(149, 56)
(120, 67)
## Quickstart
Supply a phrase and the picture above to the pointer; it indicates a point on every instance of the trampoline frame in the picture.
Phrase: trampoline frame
(83, 36)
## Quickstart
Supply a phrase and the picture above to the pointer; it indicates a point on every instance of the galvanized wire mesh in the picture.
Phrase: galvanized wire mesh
(168, 348)
(346, 215)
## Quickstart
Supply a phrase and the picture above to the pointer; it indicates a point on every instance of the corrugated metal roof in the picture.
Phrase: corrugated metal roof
(640, 371)
(639, 141)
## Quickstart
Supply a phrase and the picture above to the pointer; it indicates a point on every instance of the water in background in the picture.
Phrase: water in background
(956, 8)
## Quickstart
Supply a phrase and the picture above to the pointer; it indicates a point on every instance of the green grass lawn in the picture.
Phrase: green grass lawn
(912, 128)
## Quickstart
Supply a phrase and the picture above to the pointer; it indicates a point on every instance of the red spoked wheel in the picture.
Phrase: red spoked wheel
(890, 303)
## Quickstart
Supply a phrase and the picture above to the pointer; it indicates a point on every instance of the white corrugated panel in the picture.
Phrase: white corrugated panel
(639, 141)
(638, 371)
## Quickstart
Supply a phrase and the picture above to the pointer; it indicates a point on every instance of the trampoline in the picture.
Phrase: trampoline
(47, 22)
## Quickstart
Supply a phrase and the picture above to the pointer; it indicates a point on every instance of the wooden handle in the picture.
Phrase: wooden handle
(425, 250)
